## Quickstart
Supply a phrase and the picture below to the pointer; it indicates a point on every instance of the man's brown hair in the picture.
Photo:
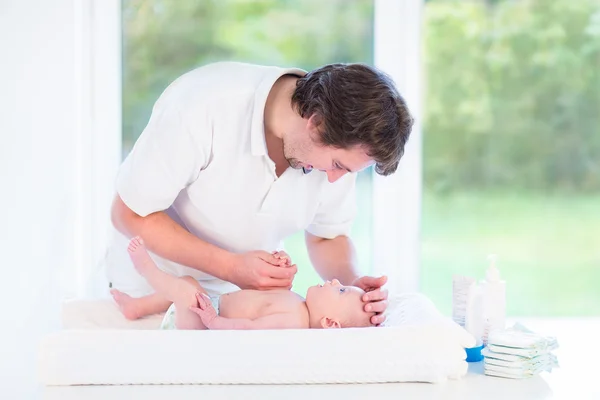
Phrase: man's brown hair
(356, 105)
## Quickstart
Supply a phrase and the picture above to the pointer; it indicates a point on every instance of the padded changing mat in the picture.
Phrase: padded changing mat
(421, 347)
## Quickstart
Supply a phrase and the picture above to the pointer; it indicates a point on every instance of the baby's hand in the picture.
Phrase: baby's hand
(285, 259)
(205, 310)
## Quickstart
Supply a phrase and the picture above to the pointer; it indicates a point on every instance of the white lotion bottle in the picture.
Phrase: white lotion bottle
(474, 320)
(494, 299)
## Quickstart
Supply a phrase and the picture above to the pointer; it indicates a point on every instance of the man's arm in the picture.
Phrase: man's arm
(166, 238)
(333, 258)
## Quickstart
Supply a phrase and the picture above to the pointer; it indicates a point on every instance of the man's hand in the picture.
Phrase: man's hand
(376, 298)
(261, 270)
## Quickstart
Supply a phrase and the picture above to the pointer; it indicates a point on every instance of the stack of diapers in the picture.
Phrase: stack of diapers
(518, 353)
(416, 344)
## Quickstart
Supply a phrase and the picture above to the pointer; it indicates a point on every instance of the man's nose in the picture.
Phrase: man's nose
(335, 282)
(334, 175)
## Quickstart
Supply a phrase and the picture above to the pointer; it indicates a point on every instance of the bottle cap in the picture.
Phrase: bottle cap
(492, 274)
(474, 354)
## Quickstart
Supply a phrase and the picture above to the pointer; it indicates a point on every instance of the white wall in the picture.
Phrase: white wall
(37, 175)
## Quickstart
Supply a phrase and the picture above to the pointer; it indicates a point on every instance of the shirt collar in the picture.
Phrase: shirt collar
(258, 143)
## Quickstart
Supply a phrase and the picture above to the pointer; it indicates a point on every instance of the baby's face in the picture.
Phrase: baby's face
(335, 301)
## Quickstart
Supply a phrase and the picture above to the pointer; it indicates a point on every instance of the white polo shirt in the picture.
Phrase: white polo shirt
(203, 158)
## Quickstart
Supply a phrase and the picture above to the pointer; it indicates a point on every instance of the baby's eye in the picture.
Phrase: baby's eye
(342, 290)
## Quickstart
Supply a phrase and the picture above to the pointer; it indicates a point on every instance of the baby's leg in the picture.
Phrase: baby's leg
(181, 291)
(133, 308)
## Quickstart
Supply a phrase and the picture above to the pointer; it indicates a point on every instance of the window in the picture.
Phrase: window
(512, 151)
(162, 40)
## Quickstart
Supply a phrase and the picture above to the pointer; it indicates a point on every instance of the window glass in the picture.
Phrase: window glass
(512, 151)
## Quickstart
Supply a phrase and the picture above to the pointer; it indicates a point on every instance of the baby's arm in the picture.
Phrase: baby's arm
(274, 321)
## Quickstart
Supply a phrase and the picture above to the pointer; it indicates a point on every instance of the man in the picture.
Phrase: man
(222, 174)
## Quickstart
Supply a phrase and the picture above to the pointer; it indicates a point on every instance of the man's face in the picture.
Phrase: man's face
(302, 150)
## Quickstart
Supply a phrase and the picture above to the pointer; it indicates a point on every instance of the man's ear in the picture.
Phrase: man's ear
(314, 121)
(327, 323)
(312, 125)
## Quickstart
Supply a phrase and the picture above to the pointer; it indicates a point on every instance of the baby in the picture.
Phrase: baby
(329, 305)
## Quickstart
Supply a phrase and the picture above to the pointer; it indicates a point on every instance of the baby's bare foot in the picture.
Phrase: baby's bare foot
(127, 304)
(139, 255)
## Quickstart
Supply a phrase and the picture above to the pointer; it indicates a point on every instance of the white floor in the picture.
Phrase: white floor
(575, 379)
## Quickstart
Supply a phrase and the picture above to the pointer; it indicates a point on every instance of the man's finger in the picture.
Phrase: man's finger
(374, 282)
(270, 258)
(375, 295)
(377, 319)
(288, 287)
(369, 283)
(270, 283)
(282, 273)
(378, 306)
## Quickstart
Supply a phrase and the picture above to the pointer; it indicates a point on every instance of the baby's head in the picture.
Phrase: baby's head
(332, 305)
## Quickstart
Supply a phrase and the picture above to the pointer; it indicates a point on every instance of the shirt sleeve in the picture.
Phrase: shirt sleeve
(337, 209)
(166, 158)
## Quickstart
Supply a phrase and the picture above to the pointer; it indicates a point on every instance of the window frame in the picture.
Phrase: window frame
(98, 123)
(397, 198)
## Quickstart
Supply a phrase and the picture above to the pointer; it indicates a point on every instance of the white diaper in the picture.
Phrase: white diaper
(168, 321)
(521, 337)
(516, 366)
(519, 353)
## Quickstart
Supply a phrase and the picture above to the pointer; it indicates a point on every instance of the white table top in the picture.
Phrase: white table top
(474, 386)
(575, 379)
